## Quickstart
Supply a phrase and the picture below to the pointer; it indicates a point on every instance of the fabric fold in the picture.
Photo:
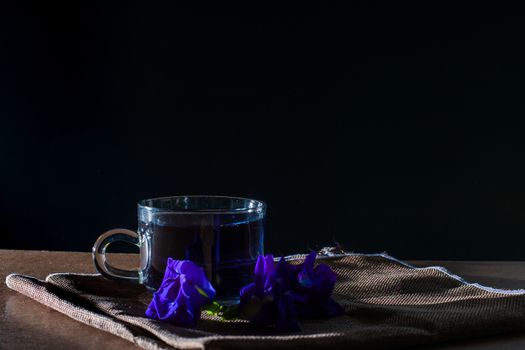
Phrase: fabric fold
(388, 304)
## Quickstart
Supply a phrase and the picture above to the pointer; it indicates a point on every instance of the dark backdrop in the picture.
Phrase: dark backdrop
(383, 126)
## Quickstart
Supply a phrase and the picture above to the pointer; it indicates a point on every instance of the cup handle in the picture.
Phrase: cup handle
(99, 255)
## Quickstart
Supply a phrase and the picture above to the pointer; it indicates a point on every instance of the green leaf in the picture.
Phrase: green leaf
(213, 308)
(221, 311)
(230, 312)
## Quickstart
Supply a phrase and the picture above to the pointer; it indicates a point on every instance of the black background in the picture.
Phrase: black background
(383, 126)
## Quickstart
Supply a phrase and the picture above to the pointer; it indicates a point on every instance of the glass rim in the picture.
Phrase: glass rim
(260, 206)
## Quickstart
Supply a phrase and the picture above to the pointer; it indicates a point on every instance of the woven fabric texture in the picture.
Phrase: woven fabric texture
(387, 305)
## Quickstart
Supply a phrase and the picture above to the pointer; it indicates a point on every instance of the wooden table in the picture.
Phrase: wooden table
(26, 324)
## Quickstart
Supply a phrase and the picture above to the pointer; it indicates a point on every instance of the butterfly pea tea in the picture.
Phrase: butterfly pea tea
(223, 235)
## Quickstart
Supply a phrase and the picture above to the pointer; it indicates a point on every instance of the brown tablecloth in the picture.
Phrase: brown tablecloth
(387, 303)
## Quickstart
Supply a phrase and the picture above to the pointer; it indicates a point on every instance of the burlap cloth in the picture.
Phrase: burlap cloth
(388, 304)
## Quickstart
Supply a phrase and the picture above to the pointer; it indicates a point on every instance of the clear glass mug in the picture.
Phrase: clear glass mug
(223, 235)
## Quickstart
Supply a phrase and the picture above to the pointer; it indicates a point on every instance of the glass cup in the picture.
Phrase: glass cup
(223, 235)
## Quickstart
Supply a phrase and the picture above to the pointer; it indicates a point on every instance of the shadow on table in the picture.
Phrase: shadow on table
(44, 328)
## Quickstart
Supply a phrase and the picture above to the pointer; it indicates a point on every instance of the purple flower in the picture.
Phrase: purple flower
(184, 290)
(269, 299)
(314, 288)
(281, 293)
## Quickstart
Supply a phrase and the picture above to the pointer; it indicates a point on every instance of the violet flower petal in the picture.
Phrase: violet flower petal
(314, 288)
(246, 294)
(183, 291)
(281, 292)
(268, 300)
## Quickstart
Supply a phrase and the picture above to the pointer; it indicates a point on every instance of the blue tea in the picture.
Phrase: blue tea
(225, 245)
(224, 235)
